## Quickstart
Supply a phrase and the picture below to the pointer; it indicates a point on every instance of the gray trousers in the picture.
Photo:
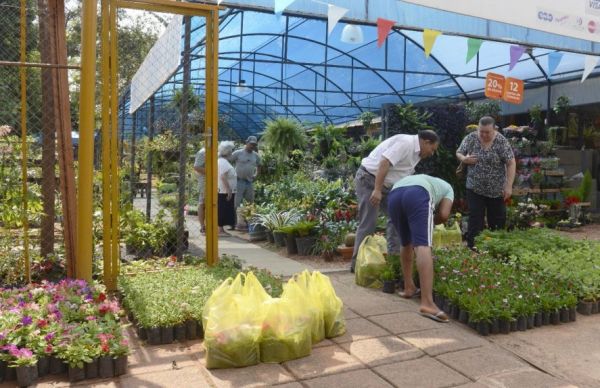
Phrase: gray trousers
(367, 214)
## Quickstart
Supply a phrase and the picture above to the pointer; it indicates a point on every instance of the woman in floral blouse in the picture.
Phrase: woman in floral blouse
(490, 174)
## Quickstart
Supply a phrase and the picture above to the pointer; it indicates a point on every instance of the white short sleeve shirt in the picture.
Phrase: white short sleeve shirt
(402, 151)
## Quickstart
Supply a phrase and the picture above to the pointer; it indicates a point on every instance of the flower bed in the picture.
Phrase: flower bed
(496, 296)
(46, 327)
(165, 299)
(575, 263)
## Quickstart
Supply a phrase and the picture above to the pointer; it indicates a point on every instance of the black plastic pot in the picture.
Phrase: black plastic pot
(538, 320)
(142, 333)
(454, 312)
(546, 317)
(120, 365)
(257, 232)
(270, 237)
(531, 321)
(200, 329)
(483, 328)
(10, 374)
(91, 369)
(279, 238)
(106, 368)
(389, 286)
(57, 366)
(573, 314)
(43, 366)
(555, 317)
(166, 335)
(76, 374)
(595, 307)
(504, 326)
(26, 375)
(290, 244)
(564, 315)
(522, 323)
(2, 370)
(585, 308)
(180, 332)
(495, 326)
(463, 316)
(305, 245)
(513, 325)
(190, 330)
(153, 335)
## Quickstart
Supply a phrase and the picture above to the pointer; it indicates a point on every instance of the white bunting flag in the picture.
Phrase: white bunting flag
(334, 14)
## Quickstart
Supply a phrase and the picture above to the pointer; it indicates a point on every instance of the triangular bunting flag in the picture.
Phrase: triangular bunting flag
(590, 64)
(429, 37)
(515, 54)
(281, 5)
(554, 59)
(334, 14)
(473, 48)
(384, 27)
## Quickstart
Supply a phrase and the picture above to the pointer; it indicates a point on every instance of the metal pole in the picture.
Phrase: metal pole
(149, 161)
(132, 179)
(114, 145)
(86, 140)
(23, 77)
(183, 137)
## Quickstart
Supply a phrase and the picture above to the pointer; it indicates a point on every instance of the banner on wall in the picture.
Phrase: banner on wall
(574, 18)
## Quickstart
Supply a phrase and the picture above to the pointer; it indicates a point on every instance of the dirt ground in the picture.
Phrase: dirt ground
(589, 232)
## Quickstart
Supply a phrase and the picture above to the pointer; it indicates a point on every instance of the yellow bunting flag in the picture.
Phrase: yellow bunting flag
(429, 37)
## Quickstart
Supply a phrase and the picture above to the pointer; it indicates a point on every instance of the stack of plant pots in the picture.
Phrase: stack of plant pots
(189, 330)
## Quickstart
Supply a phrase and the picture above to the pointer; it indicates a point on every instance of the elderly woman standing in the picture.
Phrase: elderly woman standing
(227, 188)
(490, 174)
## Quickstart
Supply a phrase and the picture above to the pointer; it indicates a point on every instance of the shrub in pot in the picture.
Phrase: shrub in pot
(305, 241)
(389, 280)
(290, 239)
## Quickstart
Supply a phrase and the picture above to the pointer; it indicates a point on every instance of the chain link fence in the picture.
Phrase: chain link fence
(31, 214)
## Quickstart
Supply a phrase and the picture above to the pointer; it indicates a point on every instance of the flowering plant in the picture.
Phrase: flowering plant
(20, 356)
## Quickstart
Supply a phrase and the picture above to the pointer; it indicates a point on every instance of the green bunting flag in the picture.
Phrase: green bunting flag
(474, 46)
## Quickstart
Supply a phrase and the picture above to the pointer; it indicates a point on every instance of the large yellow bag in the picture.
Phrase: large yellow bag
(233, 323)
(286, 331)
(300, 291)
(333, 307)
(370, 261)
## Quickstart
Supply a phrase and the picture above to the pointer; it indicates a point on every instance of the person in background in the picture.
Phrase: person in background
(246, 161)
(491, 171)
(392, 160)
(227, 188)
(199, 167)
(415, 204)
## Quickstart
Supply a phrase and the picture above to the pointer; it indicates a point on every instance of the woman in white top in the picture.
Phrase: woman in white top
(227, 188)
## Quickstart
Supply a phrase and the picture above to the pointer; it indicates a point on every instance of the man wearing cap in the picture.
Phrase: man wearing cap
(246, 162)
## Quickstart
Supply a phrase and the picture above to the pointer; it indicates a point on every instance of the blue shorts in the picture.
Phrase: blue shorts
(411, 211)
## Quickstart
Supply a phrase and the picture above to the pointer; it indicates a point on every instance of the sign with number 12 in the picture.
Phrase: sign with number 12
(513, 91)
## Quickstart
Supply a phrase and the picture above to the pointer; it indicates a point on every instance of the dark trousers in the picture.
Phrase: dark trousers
(480, 208)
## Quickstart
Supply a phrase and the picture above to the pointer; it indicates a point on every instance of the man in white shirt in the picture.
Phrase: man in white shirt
(392, 160)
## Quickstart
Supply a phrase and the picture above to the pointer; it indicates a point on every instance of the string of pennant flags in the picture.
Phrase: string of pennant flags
(335, 13)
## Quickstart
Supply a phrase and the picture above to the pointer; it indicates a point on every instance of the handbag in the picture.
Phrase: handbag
(461, 170)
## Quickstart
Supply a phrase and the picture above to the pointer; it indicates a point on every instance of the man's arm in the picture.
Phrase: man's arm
(511, 168)
(443, 211)
(382, 171)
(200, 170)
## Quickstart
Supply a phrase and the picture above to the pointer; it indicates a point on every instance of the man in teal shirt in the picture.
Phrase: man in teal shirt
(415, 204)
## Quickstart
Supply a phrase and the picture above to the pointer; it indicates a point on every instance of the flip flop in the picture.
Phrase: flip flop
(440, 316)
(224, 234)
(413, 295)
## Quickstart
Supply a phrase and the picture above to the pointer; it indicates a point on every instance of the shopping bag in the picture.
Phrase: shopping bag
(286, 331)
(453, 235)
(299, 290)
(438, 235)
(222, 293)
(370, 261)
(333, 307)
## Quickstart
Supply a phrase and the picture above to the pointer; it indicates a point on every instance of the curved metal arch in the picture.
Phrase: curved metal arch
(452, 76)
(366, 67)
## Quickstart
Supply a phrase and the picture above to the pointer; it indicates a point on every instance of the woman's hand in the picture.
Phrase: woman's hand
(470, 159)
(229, 195)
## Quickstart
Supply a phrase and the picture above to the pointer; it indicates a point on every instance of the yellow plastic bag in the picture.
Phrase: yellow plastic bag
(333, 307)
(299, 290)
(454, 235)
(438, 235)
(370, 261)
(286, 331)
(233, 323)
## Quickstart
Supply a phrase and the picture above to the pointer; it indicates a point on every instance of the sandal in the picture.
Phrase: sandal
(416, 293)
(440, 316)
(224, 234)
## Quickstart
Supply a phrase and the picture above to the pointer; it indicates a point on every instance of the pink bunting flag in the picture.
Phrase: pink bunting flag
(384, 26)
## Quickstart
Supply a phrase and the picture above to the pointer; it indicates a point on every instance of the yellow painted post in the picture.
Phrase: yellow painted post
(106, 140)
(23, 77)
(86, 141)
(114, 145)
(212, 136)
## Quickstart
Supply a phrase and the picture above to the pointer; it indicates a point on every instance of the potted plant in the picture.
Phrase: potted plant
(389, 280)
(290, 239)
(25, 363)
(305, 241)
